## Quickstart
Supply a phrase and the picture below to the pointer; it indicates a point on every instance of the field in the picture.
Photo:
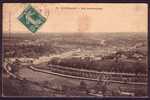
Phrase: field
(103, 52)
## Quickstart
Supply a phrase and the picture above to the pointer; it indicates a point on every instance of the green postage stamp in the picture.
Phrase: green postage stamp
(31, 19)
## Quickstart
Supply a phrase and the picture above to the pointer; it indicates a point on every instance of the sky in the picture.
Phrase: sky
(80, 18)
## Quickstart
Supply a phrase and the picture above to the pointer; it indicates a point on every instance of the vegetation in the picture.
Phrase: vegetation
(35, 46)
(109, 65)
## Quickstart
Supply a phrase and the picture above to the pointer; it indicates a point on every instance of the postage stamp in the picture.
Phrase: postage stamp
(31, 19)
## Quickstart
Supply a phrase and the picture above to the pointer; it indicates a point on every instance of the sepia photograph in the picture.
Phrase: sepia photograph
(75, 50)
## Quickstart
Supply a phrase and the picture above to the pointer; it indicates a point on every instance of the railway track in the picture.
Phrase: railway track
(84, 78)
(89, 75)
(85, 71)
(55, 91)
(129, 77)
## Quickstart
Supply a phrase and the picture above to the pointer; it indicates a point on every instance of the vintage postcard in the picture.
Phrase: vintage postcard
(69, 50)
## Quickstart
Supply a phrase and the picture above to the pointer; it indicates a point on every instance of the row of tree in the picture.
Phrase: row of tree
(102, 65)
